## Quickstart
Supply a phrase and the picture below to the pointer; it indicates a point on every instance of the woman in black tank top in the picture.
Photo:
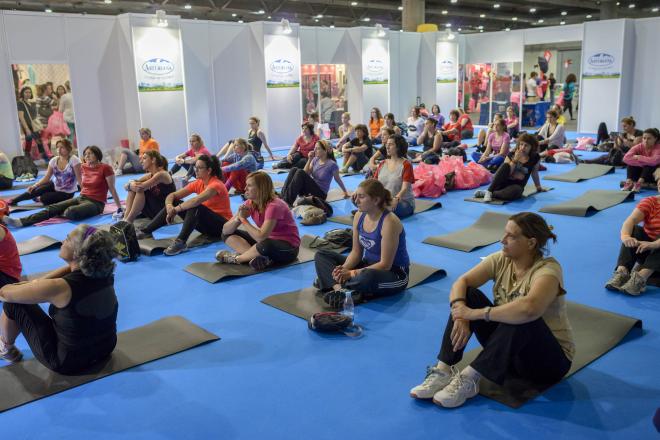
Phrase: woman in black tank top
(146, 196)
(257, 138)
(80, 328)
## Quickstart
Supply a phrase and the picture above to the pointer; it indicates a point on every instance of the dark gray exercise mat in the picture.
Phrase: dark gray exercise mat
(37, 244)
(590, 201)
(488, 229)
(276, 184)
(153, 246)
(304, 303)
(334, 195)
(595, 331)
(216, 272)
(421, 205)
(28, 381)
(276, 170)
(583, 171)
(26, 207)
(530, 190)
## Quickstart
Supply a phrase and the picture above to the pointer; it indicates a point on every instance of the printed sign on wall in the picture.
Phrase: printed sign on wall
(282, 61)
(601, 65)
(375, 61)
(158, 59)
(445, 62)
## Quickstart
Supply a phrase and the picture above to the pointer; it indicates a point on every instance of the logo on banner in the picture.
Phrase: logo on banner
(375, 66)
(446, 66)
(601, 60)
(281, 66)
(158, 66)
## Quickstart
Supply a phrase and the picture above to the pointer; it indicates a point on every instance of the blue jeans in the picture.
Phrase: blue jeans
(404, 209)
(494, 161)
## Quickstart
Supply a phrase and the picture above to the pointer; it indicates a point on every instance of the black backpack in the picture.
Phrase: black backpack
(22, 165)
(340, 237)
(126, 243)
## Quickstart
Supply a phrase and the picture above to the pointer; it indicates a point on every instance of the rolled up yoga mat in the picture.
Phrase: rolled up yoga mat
(583, 171)
(589, 202)
(216, 272)
(530, 190)
(421, 205)
(595, 331)
(488, 229)
(29, 380)
(304, 303)
(37, 244)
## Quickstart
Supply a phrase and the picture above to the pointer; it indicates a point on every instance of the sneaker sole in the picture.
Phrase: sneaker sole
(171, 254)
(612, 288)
(457, 404)
(415, 396)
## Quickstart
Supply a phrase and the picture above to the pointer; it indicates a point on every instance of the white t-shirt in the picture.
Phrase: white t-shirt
(417, 123)
(66, 107)
(531, 87)
(65, 180)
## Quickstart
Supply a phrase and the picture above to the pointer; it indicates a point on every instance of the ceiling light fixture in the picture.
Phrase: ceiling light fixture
(507, 29)
(655, 10)
(448, 25)
(48, 10)
(630, 6)
(481, 30)
(233, 15)
(400, 8)
(241, 21)
(261, 12)
(366, 19)
(563, 13)
(459, 29)
(482, 15)
(562, 22)
(541, 20)
(496, 5)
(186, 6)
(316, 20)
(107, 2)
(444, 12)
(380, 31)
(269, 17)
(480, 27)
(353, 3)
(532, 10)
(589, 16)
(285, 26)
(319, 16)
(514, 19)
(332, 26)
(454, 1)
(161, 18)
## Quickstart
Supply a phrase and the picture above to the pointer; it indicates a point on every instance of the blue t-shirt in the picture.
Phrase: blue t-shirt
(370, 242)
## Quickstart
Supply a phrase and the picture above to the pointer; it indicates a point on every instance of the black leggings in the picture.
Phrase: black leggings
(529, 351)
(568, 105)
(5, 183)
(77, 208)
(42, 337)
(6, 279)
(36, 137)
(635, 173)
(299, 183)
(503, 187)
(200, 217)
(279, 251)
(47, 193)
(298, 161)
(628, 256)
(369, 282)
(188, 166)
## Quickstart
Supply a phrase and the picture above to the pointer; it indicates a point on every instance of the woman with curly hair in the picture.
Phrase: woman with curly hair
(80, 328)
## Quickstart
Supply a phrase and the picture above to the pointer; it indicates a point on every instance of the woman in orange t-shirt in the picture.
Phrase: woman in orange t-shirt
(129, 161)
(376, 122)
(207, 212)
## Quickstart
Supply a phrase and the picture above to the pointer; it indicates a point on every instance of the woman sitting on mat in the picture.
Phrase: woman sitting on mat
(346, 129)
(415, 122)
(207, 212)
(10, 263)
(437, 115)
(552, 134)
(358, 151)
(188, 158)
(639, 256)
(390, 123)
(466, 127)
(97, 179)
(237, 164)
(621, 143)
(6, 172)
(65, 168)
(561, 119)
(511, 123)
(482, 137)
(511, 177)
(376, 122)
(642, 160)
(452, 130)
(396, 175)
(146, 196)
(80, 328)
(525, 333)
(378, 264)
(315, 179)
(272, 240)
(381, 153)
(256, 137)
(129, 161)
(297, 156)
(497, 147)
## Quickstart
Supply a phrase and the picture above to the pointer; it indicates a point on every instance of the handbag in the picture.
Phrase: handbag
(35, 123)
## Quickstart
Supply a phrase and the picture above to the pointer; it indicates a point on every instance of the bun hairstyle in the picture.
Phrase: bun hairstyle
(534, 226)
(629, 120)
(328, 149)
(213, 164)
(94, 251)
(243, 143)
(374, 189)
(255, 119)
(160, 160)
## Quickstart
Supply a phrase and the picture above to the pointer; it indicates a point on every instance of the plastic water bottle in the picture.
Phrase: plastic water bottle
(349, 307)
(117, 216)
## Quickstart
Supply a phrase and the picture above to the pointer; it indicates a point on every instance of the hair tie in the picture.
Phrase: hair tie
(89, 232)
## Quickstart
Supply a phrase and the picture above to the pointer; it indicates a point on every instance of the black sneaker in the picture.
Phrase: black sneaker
(335, 299)
(260, 263)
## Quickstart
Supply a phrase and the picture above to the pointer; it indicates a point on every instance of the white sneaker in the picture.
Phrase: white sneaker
(435, 380)
(11, 221)
(118, 172)
(457, 392)
(488, 196)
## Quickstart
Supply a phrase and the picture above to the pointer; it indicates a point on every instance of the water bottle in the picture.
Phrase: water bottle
(354, 330)
(117, 216)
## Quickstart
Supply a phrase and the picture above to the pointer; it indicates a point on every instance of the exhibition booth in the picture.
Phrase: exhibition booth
(206, 77)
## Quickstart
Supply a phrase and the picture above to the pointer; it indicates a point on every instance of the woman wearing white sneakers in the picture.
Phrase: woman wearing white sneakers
(524, 334)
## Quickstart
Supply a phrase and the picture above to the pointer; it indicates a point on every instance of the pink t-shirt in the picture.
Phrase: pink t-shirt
(285, 228)
(497, 143)
(193, 153)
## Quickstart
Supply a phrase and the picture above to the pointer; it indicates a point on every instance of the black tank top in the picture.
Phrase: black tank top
(255, 140)
(90, 318)
(161, 191)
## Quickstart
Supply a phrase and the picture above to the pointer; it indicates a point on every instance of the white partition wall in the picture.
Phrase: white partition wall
(446, 71)
(645, 93)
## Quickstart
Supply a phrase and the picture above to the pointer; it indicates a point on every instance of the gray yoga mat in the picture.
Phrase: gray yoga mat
(153, 246)
(349, 173)
(276, 170)
(37, 244)
(589, 202)
(595, 331)
(276, 184)
(335, 195)
(304, 303)
(28, 380)
(488, 229)
(216, 272)
(530, 190)
(583, 171)
(26, 207)
(421, 205)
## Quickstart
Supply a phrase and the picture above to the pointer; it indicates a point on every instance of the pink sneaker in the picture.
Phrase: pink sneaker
(637, 187)
(627, 186)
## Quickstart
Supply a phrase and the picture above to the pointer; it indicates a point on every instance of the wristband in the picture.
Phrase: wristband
(456, 300)
(487, 314)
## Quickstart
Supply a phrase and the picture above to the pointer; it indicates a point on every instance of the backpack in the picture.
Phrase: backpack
(340, 237)
(23, 165)
(126, 243)
(316, 202)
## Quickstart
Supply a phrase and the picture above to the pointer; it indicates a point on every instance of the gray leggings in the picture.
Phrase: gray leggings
(132, 164)
(77, 208)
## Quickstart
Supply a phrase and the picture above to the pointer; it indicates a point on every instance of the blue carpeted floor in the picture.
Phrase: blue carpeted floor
(270, 377)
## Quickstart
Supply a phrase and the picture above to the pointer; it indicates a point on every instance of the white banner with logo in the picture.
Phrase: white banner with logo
(603, 56)
(375, 61)
(282, 61)
(446, 76)
(158, 62)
